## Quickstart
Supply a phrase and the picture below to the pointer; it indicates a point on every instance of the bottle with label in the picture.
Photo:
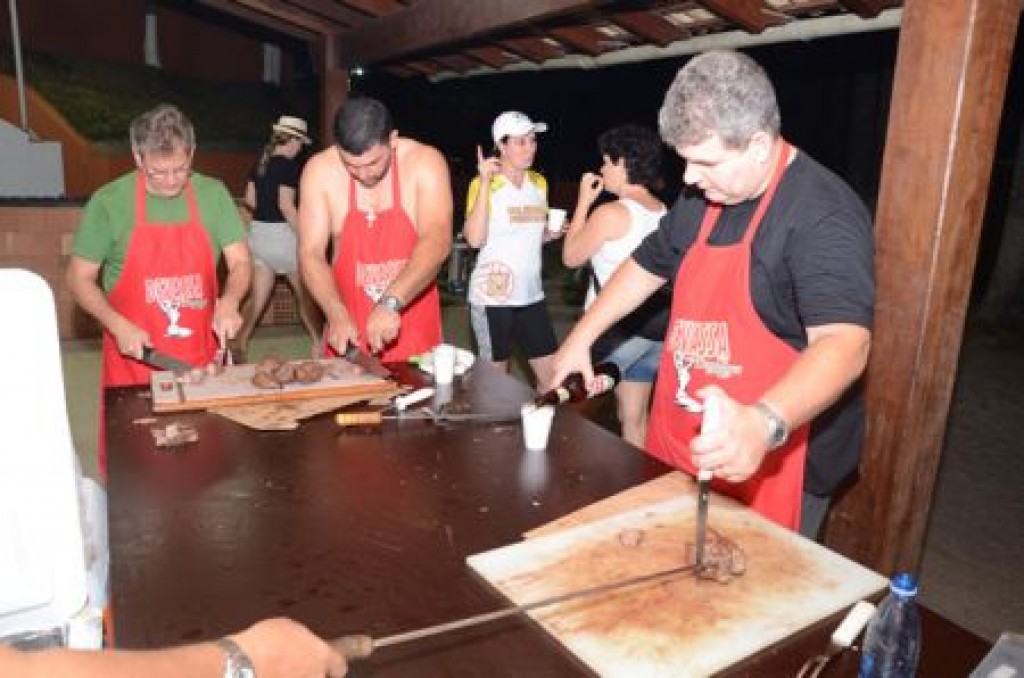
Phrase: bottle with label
(892, 644)
(573, 390)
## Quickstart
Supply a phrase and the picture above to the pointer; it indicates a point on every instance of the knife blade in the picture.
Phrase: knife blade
(358, 356)
(165, 362)
(362, 646)
(710, 422)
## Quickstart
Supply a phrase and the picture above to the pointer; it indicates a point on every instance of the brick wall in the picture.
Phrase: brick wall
(38, 237)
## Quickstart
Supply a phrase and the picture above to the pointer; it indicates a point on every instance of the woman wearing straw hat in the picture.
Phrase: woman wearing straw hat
(270, 194)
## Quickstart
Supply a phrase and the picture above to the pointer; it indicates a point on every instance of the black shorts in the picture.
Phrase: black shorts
(497, 328)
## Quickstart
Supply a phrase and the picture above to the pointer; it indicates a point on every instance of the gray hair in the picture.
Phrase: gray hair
(162, 130)
(721, 93)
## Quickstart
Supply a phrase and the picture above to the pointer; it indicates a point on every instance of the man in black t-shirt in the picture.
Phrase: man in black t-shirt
(771, 263)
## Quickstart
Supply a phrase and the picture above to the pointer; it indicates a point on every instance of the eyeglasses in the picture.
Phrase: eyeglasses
(171, 173)
(165, 173)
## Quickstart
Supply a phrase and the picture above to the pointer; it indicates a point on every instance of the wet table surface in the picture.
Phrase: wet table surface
(367, 530)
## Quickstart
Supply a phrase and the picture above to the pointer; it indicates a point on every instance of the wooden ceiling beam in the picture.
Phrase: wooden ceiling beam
(751, 16)
(586, 39)
(649, 26)
(432, 23)
(289, 14)
(456, 62)
(423, 67)
(495, 57)
(262, 19)
(866, 9)
(329, 9)
(374, 7)
(532, 49)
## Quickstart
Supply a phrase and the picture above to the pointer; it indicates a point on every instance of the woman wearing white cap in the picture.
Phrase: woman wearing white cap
(270, 194)
(506, 297)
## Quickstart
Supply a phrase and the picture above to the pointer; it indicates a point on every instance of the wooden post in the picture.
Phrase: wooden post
(951, 72)
(335, 87)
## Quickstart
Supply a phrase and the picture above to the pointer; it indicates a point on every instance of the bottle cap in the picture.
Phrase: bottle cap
(903, 584)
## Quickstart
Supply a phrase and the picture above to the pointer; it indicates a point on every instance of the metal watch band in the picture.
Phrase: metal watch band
(391, 302)
(236, 662)
(778, 429)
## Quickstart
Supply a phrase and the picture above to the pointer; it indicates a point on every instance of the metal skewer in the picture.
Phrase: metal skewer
(362, 646)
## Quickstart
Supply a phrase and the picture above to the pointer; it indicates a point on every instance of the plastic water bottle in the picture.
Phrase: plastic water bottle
(893, 641)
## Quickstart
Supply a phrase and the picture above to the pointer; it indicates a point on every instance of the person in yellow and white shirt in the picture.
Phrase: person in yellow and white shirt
(506, 297)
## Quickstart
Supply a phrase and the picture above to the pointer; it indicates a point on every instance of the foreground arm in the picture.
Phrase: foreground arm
(433, 221)
(226, 318)
(314, 230)
(835, 357)
(278, 648)
(83, 280)
(628, 287)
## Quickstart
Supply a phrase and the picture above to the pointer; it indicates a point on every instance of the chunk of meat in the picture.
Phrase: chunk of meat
(309, 372)
(269, 363)
(724, 560)
(265, 380)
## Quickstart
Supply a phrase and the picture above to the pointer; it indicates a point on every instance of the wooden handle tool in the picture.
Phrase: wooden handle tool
(361, 418)
(361, 646)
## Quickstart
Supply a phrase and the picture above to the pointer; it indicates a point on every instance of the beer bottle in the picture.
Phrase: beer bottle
(573, 390)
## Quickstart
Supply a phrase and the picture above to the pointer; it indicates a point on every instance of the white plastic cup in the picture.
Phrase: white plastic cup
(444, 364)
(556, 219)
(537, 425)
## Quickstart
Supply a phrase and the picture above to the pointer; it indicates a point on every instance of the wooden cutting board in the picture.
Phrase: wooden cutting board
(234, 387)
(683, 626)
(286, 415)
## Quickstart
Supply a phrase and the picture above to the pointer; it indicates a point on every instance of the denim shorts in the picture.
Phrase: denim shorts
(637, 359)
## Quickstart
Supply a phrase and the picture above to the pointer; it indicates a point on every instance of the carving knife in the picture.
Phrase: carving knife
(362, 646)
(165, 362)
(711, 421)
(358, 356)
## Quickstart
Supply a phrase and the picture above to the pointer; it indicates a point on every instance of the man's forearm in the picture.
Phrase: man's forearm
(421, 270)
(93, 301)
(236, 284)
(626, 290)
(821, 374)
(204, 659)
(319, 281)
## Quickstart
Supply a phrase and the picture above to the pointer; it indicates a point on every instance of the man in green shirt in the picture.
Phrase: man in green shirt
(144, 260)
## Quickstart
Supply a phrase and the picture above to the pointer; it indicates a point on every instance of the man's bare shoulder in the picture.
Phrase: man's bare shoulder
(323, 164)
(419, 156)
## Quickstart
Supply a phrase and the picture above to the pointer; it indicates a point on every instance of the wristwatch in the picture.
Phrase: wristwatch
(236, 662)
(778, 429)
(391, 302)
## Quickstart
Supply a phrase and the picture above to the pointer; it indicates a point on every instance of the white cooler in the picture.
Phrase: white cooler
(53, 544)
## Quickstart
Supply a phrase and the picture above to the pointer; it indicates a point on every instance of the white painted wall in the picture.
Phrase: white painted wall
(28, 168)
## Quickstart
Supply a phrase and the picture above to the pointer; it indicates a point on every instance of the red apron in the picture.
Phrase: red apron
(168, 287)
(715, 336)
(369, 256)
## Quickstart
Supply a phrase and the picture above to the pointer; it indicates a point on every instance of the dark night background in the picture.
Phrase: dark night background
(833, 92)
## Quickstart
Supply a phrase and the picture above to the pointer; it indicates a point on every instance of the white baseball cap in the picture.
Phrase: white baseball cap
(514, 124)
(292, 126)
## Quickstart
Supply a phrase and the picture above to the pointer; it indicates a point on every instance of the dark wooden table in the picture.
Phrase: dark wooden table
(366, 531)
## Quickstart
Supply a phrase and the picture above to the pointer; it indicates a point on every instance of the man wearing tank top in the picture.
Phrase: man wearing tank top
(384, 202)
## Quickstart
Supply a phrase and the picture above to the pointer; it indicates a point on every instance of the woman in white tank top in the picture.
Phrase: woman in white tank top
(631, 157)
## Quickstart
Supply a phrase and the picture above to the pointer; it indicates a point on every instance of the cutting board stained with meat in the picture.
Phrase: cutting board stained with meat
(235, 387)
(682, 626)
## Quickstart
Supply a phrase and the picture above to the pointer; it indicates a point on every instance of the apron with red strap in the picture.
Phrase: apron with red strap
(168, 288)
(715, 336)
(370, 253)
